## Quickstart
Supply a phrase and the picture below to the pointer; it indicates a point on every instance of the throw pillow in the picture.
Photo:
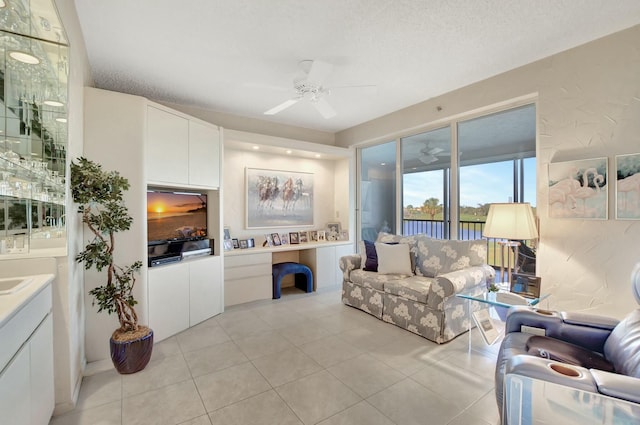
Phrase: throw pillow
(369, 257)
(393, 259)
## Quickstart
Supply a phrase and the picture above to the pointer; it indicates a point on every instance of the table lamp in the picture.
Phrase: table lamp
(513, 222)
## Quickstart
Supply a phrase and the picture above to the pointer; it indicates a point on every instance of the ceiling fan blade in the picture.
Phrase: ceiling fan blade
(281, 107)
(319, 72)
(364, 89)
(324, 108)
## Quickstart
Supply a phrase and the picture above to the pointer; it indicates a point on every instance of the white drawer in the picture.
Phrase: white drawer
(247, 260)
(247, 271)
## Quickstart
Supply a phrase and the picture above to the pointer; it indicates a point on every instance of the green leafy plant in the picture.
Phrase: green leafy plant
(99, 194)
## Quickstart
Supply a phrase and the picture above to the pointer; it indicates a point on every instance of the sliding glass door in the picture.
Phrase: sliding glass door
(449, 175)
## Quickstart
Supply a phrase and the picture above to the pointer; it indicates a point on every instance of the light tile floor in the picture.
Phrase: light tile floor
(304, 359)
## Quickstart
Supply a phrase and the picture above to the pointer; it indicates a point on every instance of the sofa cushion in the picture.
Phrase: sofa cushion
(414, 288)
(372, 279)
(369, 256)
(396, 239)
(439, 256)
(394, 259)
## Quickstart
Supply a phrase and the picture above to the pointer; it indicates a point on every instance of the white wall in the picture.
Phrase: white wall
(324, 206)
(68, 302)
(588, 106)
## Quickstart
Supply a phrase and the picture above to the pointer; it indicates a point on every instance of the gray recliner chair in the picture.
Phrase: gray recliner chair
(605, 351)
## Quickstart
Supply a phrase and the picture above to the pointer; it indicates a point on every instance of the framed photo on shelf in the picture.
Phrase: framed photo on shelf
(227, 233)
(304, 237)
(322, 236)
(251, 243)
(344, 235)
(313, 236)
(276, 239)
(235, 242)
(227, 245)
(284, 239)
(268, 240)
(244, 244)
(334, 227)
(294, 238)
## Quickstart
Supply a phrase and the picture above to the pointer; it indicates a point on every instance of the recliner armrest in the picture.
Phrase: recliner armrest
(576, 330)
(616, 385)
(539, 368)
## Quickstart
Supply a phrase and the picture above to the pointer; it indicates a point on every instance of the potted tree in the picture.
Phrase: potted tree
(100, 197)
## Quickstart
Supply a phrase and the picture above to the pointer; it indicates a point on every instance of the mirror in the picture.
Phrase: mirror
(34, 68)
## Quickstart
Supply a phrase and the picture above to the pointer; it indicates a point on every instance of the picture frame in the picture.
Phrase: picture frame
(244, 244)
(313, 236)
(294, 238)
(322, 236)
(303, 237)
(486, 326)
(278, 198)
(227, 233)
(335, 227)
(284, 239)
(276, 239)
(251, 243)
(579, 189)
(627, 187)
(268, 239)
(227, 245)
(235, 243)
(344, 235)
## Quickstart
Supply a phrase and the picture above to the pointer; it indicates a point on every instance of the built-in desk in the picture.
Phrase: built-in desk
(247, 272)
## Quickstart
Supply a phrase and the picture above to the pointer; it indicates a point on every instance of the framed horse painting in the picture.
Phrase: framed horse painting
(276, 198)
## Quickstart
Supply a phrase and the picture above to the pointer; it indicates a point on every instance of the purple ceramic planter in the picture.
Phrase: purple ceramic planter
(131, 356)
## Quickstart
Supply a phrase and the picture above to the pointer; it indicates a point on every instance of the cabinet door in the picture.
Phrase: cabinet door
(167, 147)
(204, 155)
(41, 360)
(15, 400)
(325, 261)
(168, 300)
(205, 277)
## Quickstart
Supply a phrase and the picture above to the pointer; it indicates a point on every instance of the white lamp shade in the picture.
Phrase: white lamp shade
(513, 221)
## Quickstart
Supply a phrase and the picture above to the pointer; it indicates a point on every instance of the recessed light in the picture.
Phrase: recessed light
(24, 57)
(53, 103)
(288, 151)
(61, 119)
(317, 155)
(255, 148)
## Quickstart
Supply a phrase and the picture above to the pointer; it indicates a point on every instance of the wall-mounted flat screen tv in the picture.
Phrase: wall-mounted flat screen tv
(175, 215)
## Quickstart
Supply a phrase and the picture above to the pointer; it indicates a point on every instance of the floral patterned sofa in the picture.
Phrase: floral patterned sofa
(422, 299)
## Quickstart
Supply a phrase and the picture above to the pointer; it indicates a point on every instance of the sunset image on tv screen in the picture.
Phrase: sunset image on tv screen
(176, 215)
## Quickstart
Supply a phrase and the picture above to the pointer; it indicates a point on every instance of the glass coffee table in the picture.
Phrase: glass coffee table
(490, 320)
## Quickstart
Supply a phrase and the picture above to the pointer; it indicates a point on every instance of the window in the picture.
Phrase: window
(444, 198)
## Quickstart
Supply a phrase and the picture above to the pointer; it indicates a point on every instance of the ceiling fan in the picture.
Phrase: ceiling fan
(310, 86)
(430, 154)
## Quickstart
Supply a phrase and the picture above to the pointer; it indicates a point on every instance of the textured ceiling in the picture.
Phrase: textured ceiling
(241, 56)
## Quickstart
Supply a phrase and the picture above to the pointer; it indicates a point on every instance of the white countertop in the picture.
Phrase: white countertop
(283, 248)
(10, 304)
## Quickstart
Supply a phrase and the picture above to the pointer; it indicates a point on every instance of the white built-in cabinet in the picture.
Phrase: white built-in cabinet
(26, 380)
(324, 261)
(183, 294)
(153, 145)
(181, 151)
